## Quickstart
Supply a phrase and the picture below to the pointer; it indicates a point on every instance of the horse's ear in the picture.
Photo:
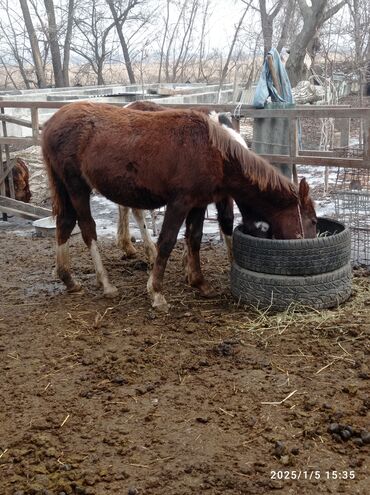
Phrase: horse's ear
(304, 190)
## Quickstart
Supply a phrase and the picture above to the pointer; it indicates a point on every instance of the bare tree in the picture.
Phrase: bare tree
(120, 11)
(267, 21)
(92, 41)
(52, 33)
(287, 28)
(180, 38)
(166, 26)
(68, 40)
(314, 16)
(14, 36)
(40, 74)
(360, 14)
(225, 68)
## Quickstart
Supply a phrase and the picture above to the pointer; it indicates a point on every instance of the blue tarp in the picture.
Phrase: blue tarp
(265, 86)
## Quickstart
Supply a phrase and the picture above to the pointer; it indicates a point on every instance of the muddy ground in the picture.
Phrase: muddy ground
(108, 397)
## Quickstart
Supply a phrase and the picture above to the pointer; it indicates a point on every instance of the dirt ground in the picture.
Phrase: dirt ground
(108, 397)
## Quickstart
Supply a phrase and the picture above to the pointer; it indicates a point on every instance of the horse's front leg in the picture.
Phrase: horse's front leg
(173, 218)
(225, 217)
(193, 236)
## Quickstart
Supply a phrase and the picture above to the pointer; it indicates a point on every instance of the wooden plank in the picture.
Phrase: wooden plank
(29, 141)
(3, 174)
(17, 121)
(26, 210)
(319, 161)
(15, 212)
(335, 111)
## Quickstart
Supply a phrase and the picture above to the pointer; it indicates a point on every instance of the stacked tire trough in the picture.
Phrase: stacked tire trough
(274, 274)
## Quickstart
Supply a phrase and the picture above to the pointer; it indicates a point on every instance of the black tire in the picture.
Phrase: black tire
(277, 292)
(295, 256)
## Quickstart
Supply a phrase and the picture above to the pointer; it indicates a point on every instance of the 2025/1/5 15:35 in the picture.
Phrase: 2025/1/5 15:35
(313, 475)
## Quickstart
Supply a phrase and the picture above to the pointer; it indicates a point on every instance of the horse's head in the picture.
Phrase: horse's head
(297, 220)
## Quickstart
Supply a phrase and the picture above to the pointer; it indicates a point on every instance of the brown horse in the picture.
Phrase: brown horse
(21, 180)
(224, 207)
(182, 159)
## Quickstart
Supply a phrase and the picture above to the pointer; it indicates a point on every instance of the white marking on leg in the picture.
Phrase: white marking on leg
(153, 216)
(123, 231)
(229, 247)
(63, 261)
(158, 300)
(63, 267)
(101, 273)
(149, 246)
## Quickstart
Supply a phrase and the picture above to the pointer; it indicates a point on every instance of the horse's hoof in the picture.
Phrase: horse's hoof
(111, 292)
(76, 287)
(130, 251)
(160, 303)
(207, 291)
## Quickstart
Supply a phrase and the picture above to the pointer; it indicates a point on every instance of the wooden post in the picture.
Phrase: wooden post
(35, 122)
(294, 146)
(7, 158)
(343, 126)
(2, 183)
(367, 139)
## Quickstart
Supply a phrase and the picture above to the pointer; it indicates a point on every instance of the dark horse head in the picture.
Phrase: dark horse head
(266, 195)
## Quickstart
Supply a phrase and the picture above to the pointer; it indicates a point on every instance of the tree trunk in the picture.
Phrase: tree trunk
(40, 74)
(54, 44)
(67, 41)
(118, 25)
(313, 19)
(267, 22)
(164, 40)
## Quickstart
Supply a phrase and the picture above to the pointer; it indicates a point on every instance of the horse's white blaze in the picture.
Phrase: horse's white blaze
(101, 273)
(149, 246)
(262, 226)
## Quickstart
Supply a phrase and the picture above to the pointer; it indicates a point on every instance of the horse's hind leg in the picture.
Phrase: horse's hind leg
(225, 217)
(149, 246)
(65, 223)
(81, 203)
(123, 232)
(193, 236)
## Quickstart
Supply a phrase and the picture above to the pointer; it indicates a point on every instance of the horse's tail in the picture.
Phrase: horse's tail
(59, 194)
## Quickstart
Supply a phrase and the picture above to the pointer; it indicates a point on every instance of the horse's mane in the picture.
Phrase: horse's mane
(258, 170)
